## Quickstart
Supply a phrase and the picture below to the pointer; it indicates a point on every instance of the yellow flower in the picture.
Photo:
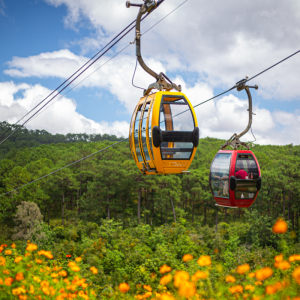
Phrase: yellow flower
(279, 258)
(283, 265)
(46, 291)
(8, 252)
(44, 283)
(204, 260)
(63, 273)
(147, 288)
(165, 269)
(180, 277)
(280, 227)
(18, 259)
(243, 269)
(54, 275)
(165, 279)
(230, 278)
(296, 275)
(292, 258)
(36, 279)
(31, 247)
(187, 257)
(264, 273)
(94, 270)
(19, 276)
(31, 290)
(165, 297)
(78, 259)
(75, 269)
(187, 289)
(199, 275)
(2, 261)
(18, 291)
(124, 287)
(249, 288)
(39, 261)
(236, 289)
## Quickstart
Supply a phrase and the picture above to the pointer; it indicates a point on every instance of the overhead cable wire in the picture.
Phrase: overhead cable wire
(159, 2)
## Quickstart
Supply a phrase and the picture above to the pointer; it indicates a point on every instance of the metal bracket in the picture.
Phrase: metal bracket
(234, 141)
(161, 82)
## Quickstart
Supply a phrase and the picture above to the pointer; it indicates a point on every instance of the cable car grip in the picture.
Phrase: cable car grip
(161, 83)
(234, 141)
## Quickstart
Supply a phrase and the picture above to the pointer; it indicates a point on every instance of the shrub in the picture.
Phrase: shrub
(28, 220)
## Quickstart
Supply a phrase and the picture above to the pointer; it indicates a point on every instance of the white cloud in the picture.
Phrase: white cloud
(61, 117)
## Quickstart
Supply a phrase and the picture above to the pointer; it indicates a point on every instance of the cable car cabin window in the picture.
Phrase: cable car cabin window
(219, 175)
(136, 135)
(150, 130)
(144, 138)
(246, 173)
(176, 116)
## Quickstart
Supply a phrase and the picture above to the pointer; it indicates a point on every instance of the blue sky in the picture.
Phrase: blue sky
(206, 47)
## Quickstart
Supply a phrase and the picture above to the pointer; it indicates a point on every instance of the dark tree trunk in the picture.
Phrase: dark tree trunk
(62, 208)
(173, 208)
(108, 208)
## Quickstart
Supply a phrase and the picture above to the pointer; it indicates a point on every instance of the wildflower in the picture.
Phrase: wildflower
(19, 276)
(230, 278)
(6, 272)
(46, 291)
(27, 254)
(8, 252)
(1, 249)
(18, 291)
(31, 289)
(2, 261)
(199, 275)
(204, 261)
(147, 288)
(18, 259)
(258, 283)
(216, 251)
(31, 247)
(165, 279)
(39, 261)
(187, 257)
(251, 275)
(63, 273)
(36, 279)
(44, 283)
(8, 281)
(54, 275)
(94, 270)
(76, 269)
(165, 297)
(296, 275)
(180, 277)
(283, 265)
(165, 269)
(1, 281)
(264, 273)
(249, 288)
(13, 245)
(236, 289)
(279, 258)
(78, 259)
(243, 269)
(124, 287)
(295, 257)
(187, 289)
(280, 226)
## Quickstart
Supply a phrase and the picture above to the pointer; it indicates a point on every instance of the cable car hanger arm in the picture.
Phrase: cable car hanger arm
(161, 79)
(234, 141)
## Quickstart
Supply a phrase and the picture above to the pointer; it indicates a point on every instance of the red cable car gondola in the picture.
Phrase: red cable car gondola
(235, 178)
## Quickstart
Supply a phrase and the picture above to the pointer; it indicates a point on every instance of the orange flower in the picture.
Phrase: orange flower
(8, 252)
(165, 297)
(39, 261)
(124, 287)
(230, 278)
(94, 270)
(204, 260)
(279, 258)
(8, 281)
(18, 259)
(280, 226)
(199, 275)
(258, 283)
(180, 277)
(251, 275)
(31, 247)
(77, 269)
(264, 273)
(78, 259)
(165, 269)
(272, 289)
(187, 257)
(295, 257)
(236, 289)
(187, 289)
(165, 279)
(296, 275)
(6, 272)
(2, 261)
(19, 276)
(249, 288)
(13, 245)
(283, 265)
(243, 269)
(44, 283)
(63, 273)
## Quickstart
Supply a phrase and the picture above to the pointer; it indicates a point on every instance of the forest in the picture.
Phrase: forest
(114, 228)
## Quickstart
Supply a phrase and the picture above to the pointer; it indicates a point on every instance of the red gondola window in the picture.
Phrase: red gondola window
(219, 175)
(246, 173)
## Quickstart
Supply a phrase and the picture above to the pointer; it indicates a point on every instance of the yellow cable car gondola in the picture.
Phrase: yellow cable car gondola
(164, 131)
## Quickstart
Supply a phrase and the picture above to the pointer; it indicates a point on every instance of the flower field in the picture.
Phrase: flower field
(36, 274)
